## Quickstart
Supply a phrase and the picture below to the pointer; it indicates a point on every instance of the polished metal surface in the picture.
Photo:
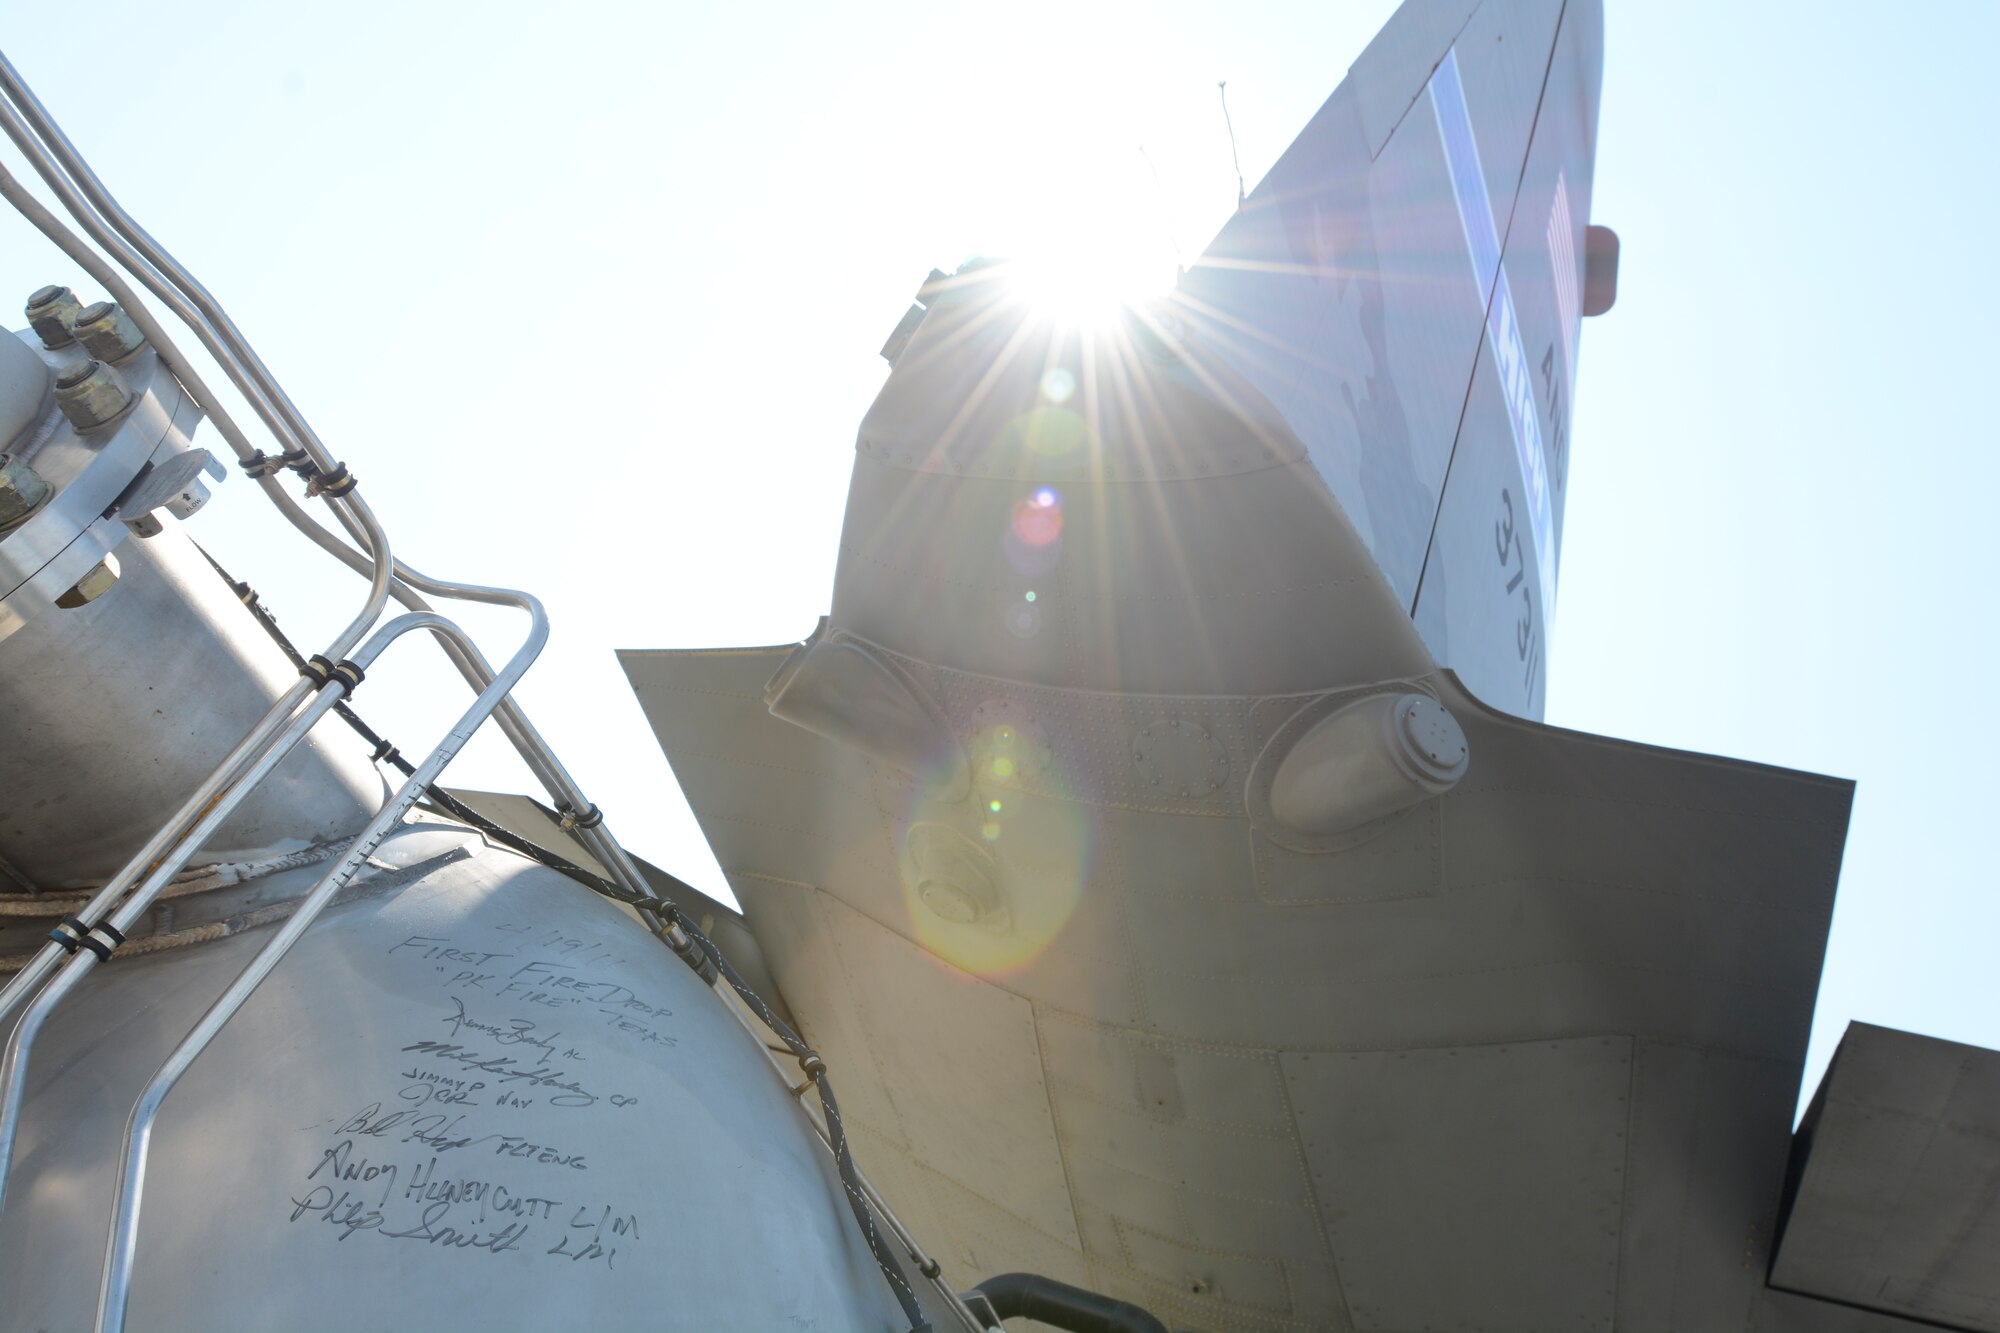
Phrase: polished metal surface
(1189, 927)
(115, 1293)
(25, 380)
(257, 754)
(90, 472)
(473, 1096)
(107, 735)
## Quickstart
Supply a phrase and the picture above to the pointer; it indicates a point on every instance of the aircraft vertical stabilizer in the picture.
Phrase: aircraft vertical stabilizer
(1157, 828)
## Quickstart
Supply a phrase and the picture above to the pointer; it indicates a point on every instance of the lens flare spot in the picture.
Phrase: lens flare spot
(1024, 621)
(989, 884)
(1038, 519)
(1058, 384)
(1031, 595)
(1048, 432)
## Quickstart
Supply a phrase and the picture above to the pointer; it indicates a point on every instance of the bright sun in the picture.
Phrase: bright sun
(1086, 286)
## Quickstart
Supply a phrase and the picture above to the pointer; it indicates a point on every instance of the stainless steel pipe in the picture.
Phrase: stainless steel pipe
(115, 1289)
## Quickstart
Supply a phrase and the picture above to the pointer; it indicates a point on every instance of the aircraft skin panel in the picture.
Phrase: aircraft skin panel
(1361, 280)
(1184, 523)
(1895, 1197)
(1389, 77)
(1438, 1160)
(1520, 1053)
(1576, 891)
(1709, 1133)
(1785, 1312)
(1487, 595)
(1503, 58)
(1483, 603)
(1339, 290)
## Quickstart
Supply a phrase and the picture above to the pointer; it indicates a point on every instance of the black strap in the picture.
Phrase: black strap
(112, 937)
(333, 484)
(70, 933)
(74, 933)
(261, 464)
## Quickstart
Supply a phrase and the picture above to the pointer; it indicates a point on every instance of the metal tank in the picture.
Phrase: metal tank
(475, 1096)
(283, 1050)
(127, 668)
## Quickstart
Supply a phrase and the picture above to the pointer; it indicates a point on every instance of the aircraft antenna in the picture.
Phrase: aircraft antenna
(1222, 86)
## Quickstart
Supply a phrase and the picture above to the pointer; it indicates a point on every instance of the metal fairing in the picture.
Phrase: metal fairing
(1520, 1056)
(526, 1114)
(1525, 1058)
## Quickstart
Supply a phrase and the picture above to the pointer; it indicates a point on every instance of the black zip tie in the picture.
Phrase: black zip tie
(571, 820)
(332, 484)
(70, 933)
(98, 946)
(350, 674)
(318, 670)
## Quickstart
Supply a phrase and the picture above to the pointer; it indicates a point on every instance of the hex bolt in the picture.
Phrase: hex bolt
(100, 579)
(51, 310)
(22, 491)
(91, 395)
(107, 332)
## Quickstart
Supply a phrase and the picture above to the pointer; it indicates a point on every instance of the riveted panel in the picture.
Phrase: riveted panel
(1898, 1202)
(960, 1060)
(1470, 1187)
(1710, 1131)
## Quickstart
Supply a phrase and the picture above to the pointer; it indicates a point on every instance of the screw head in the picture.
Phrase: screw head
(107, 332)
(50, 311)
(91, 395)
(22, 491)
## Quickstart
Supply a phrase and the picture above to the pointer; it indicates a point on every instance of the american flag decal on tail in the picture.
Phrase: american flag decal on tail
(1562, 261)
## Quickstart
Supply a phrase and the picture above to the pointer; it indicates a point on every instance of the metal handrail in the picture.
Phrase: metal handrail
(56, 160)
(114, 1290)
(70, 969)
(254, 385)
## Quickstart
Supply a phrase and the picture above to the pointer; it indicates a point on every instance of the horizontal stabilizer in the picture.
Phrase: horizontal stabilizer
(1529, 1046)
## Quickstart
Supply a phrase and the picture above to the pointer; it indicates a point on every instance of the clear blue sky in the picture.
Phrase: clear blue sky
(590, 295)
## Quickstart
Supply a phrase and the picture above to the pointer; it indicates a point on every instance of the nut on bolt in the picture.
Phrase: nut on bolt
(91, 395)
(101, 578)
(51, 310)
(22, 491)
(107, 332)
